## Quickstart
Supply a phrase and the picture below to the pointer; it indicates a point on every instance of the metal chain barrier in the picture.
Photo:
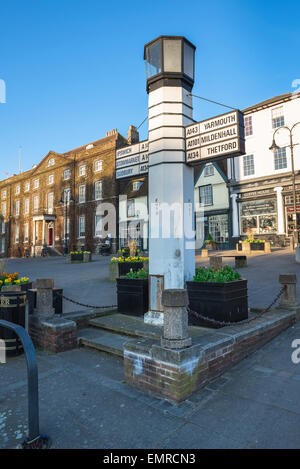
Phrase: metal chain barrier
(84, 305)
(246, 321)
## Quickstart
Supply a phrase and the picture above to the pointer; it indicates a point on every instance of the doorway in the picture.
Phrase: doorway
(50, 236)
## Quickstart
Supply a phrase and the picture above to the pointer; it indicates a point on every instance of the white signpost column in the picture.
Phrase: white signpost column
(170, 67)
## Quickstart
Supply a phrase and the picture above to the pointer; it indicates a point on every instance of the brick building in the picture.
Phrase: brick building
(58, 202)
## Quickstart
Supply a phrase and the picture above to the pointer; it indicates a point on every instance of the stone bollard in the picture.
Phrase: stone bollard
(175, 335)
(297, 258)
(267, 247)
(44, 296)
(288, 299)
(215, 262)
(204, 252)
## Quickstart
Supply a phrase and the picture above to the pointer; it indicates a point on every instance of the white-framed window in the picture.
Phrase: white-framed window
(82, 170)
(130, 208)
(27, 186)
(67, 196)
(206, 195)
(35, 203)
(2, 227)
(67, 174)
(289, 199)
(17, 208)
(50, 202)
(98, 190)
(81, 193)
(280, 161)
(26, 206)
(81, 230)
(208, 170)
(248, 126)
(277, 117)
(26, 232)
(98, 166)
(51, 162)
(50, 179)
(3, 209)
(66, 228)
(17, 231)
(36, 183)
(17, 189)
(248, 163)
(98, 225)
(2, 245)
(4, 194)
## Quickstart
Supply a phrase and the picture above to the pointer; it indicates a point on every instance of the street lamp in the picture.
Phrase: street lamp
(274, 147)
(66, 198)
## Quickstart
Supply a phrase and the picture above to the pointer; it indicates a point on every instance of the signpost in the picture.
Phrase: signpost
(218, 137)
(132, 161)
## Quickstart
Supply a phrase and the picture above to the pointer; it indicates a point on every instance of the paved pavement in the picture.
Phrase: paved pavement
(88, 282)
(85, 403)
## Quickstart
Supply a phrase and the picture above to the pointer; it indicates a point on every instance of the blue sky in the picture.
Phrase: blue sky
(74, 68)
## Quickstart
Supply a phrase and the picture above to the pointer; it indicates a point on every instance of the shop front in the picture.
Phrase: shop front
(258, 217)
(216, 225)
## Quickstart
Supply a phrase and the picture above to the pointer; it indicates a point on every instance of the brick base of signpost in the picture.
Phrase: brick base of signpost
(53, 334)
(176, 374)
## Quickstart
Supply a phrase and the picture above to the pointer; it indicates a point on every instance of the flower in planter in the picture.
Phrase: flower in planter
(207, 274)
(140, 274)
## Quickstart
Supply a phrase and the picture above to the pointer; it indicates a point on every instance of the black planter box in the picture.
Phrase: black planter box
(124, 267)
(24, 286)
(76, 257)
(253, 246)
(12, 311)
(221, 301)
(132, 296)
(257, 246)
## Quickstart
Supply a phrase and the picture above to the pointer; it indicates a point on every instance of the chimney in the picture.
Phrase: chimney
(132, 135)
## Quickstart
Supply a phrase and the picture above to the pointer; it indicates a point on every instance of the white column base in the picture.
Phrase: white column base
(155, 318)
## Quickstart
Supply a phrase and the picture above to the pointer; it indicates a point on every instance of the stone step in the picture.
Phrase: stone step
(127, 325)
(103, 341)
(135, 327)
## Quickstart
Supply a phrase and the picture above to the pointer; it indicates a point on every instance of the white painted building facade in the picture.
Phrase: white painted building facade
(261, 180)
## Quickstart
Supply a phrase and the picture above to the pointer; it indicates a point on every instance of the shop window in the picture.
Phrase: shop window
(206, 195)
(258, 216)
(248, 163)
(267, 224)
(280, 158)
(249, 224)
(130, 208)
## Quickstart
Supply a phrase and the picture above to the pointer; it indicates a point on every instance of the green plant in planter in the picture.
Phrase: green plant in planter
(254, 240)
(140, 274)
(207, 274)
